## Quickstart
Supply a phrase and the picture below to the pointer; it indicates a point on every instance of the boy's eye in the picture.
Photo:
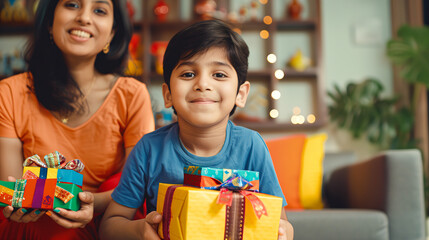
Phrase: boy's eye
(219, 75)
(188, 75)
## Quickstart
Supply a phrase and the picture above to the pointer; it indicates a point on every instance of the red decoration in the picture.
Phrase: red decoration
(161, 10)
(205, 9)
(294, 10)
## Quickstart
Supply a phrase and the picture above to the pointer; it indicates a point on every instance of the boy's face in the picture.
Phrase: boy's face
(204, 89)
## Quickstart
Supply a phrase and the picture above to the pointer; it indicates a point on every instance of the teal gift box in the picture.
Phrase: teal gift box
(211, 177)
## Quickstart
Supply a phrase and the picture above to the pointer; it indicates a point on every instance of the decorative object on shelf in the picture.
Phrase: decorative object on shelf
(161, 10)
(242, 13)
(135, 66)
(254, 5)
(294, 10)
(299, 62)
(205, 9)
(131, 10)
(35, 5)
(157, 49)
(14, 11)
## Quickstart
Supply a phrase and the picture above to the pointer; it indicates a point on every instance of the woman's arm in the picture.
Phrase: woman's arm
(11, 158)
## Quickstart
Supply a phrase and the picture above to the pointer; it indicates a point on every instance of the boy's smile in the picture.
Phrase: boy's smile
(204, 89)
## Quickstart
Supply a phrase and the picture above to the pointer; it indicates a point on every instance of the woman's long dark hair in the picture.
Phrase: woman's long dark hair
(53, 85)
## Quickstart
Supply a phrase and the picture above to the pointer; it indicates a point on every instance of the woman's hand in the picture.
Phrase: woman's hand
(21, 215)
(72, 219)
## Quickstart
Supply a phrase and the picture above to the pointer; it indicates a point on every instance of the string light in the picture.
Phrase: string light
(279, 74)
(268, 20)
(274, 113)
(272, 58)
(311, 118)
(276, 94)
(296, 110)
(264, 34)
(263, 1)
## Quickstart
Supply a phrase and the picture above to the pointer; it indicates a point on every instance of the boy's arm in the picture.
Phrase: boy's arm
(117, 223)
(285, 228)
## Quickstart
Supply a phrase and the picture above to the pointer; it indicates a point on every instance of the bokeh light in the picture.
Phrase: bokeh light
(276, 94)
(272, 58)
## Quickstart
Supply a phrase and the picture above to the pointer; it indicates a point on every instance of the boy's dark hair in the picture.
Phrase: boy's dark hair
(55, 89)
(201, 36)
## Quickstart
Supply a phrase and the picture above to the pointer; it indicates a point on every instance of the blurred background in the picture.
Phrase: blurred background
(315, 65)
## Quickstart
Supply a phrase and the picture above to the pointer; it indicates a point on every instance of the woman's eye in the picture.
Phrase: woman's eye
(71, 5)
(188, 75)
(100, 11)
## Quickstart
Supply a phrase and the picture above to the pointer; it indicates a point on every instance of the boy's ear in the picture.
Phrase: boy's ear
(243, 92)
(167, 96)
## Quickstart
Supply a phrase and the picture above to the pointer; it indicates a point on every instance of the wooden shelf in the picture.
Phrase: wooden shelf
(272, 125)
(151, 30)
(15, 28)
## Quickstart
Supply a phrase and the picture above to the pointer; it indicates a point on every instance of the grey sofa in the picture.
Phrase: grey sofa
(381, 198)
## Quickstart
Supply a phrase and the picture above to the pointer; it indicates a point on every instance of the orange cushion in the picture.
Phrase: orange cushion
(286, 153)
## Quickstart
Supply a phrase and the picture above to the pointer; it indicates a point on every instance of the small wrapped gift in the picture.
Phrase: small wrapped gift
(45, 185)
(211, 178)
(234, 211)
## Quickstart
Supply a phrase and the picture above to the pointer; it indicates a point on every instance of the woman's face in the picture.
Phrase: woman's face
(82, 28)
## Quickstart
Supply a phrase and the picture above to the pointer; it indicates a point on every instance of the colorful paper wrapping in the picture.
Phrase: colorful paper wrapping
(44, 198)
(210, 177)
(49, 185)
(193, 213)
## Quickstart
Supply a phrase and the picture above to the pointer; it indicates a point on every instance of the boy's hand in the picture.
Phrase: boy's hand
(282, 229)
(78, 219)
(150, 226)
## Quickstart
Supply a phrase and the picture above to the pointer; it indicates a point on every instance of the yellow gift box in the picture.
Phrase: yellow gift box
(195, 214)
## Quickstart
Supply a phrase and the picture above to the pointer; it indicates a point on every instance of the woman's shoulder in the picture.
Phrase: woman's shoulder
(21, 79)
(17, 83)
(130, 84)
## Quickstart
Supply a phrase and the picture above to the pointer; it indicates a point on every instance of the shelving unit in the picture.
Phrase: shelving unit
(264, 74)
(261, 74)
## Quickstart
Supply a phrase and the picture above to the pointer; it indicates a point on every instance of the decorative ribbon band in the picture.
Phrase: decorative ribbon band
(54, 160)
(234, 217)
(166, 218)
(18, 193)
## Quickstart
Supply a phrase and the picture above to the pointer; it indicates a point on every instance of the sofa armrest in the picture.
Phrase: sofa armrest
(391, 182)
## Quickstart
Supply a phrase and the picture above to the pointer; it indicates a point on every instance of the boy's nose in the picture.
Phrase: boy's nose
(202, 84)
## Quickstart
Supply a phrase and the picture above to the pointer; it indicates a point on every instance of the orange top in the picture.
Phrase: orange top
(123, 118)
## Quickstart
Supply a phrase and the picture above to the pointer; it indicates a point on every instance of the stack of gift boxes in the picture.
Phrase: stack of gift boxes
(49, 184)
(217, 204)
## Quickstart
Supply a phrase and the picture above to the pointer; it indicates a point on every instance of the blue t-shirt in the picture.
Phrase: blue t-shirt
(159, 157)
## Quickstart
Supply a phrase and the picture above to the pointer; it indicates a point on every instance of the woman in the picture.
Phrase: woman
(71, 100)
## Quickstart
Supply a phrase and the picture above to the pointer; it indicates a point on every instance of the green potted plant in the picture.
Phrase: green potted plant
(362, 110)
(410, 51)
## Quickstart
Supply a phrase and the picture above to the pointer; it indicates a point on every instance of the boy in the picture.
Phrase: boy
(205, 67)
